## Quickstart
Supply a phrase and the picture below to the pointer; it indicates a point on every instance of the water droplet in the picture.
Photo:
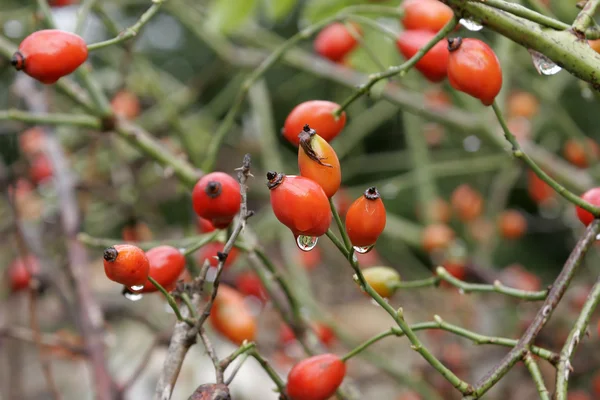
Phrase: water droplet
(471, 25)
(375, 303)
(136, 288)
(363, 250)
(133, 296)
(306, 243)
(598, 236)
(543, 64)
(471, 143)
(354, 257)
(461, 291)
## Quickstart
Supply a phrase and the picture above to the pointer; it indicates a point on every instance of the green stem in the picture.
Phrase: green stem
(226, 124)
(561, 46)
(358, 349)
(203, 241)
(101, 243)
(260, 102)
(171, 302)
(402, 68)
(524, 12)
(585, 19)
(519, 153)
(145, 143)
(336, 241)
(575, 337)
(102, 105)
(373, 25)
(83, 121)
(82, 14)
(417, 283)
(398, 317)
(536, 375)
(496, 287)
(295, 307)
(556, 293)
(133, 30)
(361, 42)
(244, 348)
(188, 302)
(419, 153)
(478, 338)
(46, 13)
(340, 225)
(271, 372)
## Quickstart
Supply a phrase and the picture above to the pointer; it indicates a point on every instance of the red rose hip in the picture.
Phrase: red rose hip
(473, 68)
(166, 265)
(20, 271)
(231, 317)
(430, 15)
(127, 265)
(217, 198)
(434, 63)
(50, 54)
(316, 378)
(592, 196)
(365, 220)
(300, 204)
(318, 114)
(335, 41)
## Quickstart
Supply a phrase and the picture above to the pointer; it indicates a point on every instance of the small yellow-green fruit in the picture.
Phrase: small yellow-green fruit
(383, 280)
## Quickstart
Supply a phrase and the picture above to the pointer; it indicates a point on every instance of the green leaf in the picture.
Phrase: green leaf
(227, 16)
(278, 9)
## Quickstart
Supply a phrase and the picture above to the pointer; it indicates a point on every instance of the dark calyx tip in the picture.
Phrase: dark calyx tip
(213, 189)
(222, 256)
(274, 179)
(271, 175)
(372, 193)
(307, 131)
(110, 254)
(18, 61)
(454, 43)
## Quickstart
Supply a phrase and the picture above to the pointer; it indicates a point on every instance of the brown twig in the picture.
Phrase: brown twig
(210, 350)
(46, 340)
(554, 296)
(91, 322)
(243, 174)
(184, 336)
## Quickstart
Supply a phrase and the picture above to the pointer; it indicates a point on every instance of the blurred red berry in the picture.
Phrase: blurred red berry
(20, 272)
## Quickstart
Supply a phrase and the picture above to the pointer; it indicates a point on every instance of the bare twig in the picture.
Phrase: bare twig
(573, 340)
(184, 335)
(90, 321)
(556, 292)
(536, 375)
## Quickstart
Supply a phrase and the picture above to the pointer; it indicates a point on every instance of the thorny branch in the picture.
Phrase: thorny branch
(556, 292)
(184, 335)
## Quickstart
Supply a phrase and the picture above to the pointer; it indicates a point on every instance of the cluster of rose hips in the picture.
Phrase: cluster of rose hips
(470, 64)
(302, 203)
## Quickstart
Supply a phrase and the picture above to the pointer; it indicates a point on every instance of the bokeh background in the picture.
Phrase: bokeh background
(178, 78)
